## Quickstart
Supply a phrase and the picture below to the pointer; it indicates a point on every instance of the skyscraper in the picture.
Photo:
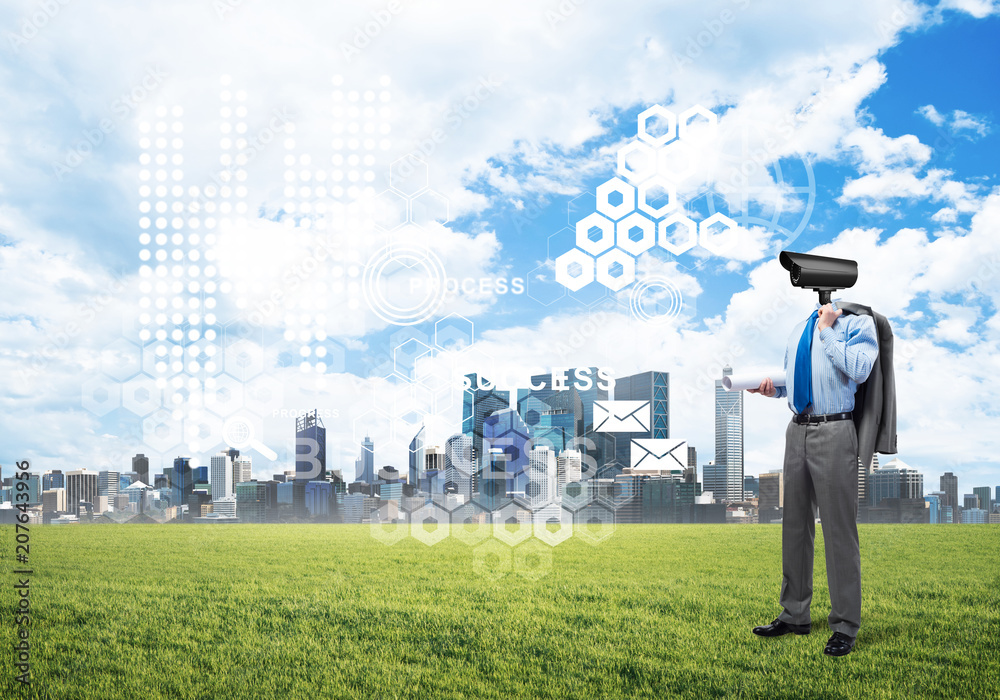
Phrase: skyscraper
(476, 405)
(949, 485)
(713, 477)
(140, 465)
(458, 465)
(772, 489)
(108, 483)
(251, 500)
(729, 437)
(896, 480)
(417, 454)
(242, 469)
(182, 483)
(984, 497)
(310, 448)
(53, 480)
(221, 475)
(81, 485)
(365, 464)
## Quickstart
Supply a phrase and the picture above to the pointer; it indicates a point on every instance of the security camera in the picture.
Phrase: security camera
(819, 273)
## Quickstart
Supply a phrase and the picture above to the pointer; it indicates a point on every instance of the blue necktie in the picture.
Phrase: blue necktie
(803, 395)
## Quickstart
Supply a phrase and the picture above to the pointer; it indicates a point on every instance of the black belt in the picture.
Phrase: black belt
(801, 418)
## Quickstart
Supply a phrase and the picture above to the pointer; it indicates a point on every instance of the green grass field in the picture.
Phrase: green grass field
(659, 611)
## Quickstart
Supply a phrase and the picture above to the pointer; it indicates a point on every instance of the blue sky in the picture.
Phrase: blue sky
(895, 110)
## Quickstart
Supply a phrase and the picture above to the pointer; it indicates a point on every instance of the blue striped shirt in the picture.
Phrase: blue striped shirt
(842, 357)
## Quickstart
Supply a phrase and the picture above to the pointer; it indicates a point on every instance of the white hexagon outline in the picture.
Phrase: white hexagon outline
(415, 159)
(685, 119)
(500, 531)
(599, 221)
(707, 240)
(636, 175)
(430, 194)
(95, 406)
(253, 351)
(581, 530)
(472, 538)
(421, 514)
(659, 111)
(663, 240)
(211, 394)
(133, 352)
(575, 503)
(540, 520)
(558, 285)
(258, 405)
(133, 405)
(586, 262)
(648, 240)
(471, 335)
(657, 212)
(397, 205)
(400, 530)
(616, 284)
(415, 356)
(615, 211)
(544, 553)
(161, 417)
(673, 174)
(480, 553)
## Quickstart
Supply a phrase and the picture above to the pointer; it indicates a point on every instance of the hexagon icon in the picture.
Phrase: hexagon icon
(594, 524)
(120, 359)
(223, 395)
(388, 210)
(454, 332)
(677, 160)
(101, 395)
(202, 431)
(636, 161)
(430, 524)
(408, 175)
(429, 207)
(697, 122)
(677, 233)
(574, 269)
(616, 270)
(717, 234)
(636, 234)
(471, 524)
(595, 234)
(533, 560)
(657, 125)
(263, 395)
(140, 395)
(553, 525)
(543, 286)
(492, 560)
(160, 431)
(575, 495)
(406, 354)
(512, 524)
(388, 533)
(244, 359)
(615, 198)
(657, 197)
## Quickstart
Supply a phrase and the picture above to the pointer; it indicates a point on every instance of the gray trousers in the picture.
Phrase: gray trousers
(821, 469)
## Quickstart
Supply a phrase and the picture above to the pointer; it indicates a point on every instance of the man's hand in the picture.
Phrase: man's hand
(766, 388)
(827, 316)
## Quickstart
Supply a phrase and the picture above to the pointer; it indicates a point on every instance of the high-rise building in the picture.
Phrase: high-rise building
(108, 483)
(751, 486)
(225, 507)
(140, 465)
(949, 484)
(504, 430)
(434, 471)
(896, 480)
(182, 482)
(199, 475)
(974, 516)
(970, 500)
(865, 477)
(984, 497)
(569, 468)
(933, 501)
(251, 501)
(242, 469)
(772, 490)
(319, 499)
(54, 500)
(81, 487)
(458, 465)
(221, 475)
(53, 480)
(646, 386)
(310, 447)
(365, 463)
(477, 404)
(713, 477)
(542, 483)
(729, 437)
(418, 464)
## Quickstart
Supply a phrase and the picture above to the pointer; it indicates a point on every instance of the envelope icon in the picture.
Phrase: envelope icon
(659, 453)
(621, 416)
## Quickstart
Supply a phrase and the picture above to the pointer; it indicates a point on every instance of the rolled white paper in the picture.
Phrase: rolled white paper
(738, 382)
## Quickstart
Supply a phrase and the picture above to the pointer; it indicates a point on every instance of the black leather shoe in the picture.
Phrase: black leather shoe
(780, 627)
(839, 645)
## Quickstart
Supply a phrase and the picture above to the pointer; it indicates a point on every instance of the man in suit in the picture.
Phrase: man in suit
(828, 355)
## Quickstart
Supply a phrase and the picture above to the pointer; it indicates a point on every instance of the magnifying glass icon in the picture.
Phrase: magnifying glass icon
(238, 433)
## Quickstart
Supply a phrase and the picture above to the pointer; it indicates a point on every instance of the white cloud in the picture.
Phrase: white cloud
(957, 122)
(977, 8)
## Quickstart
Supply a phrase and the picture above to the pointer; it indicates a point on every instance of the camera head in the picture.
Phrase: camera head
(819, 273)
